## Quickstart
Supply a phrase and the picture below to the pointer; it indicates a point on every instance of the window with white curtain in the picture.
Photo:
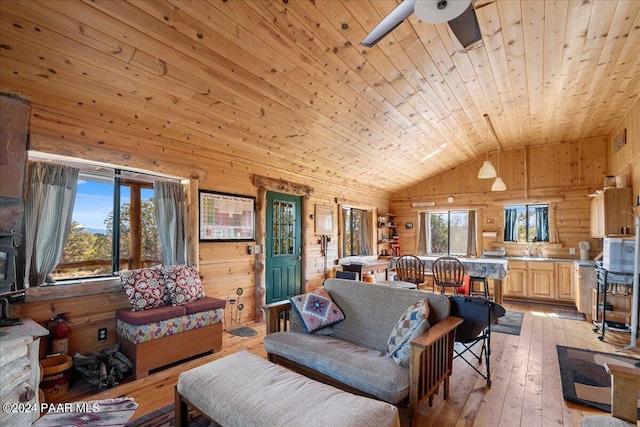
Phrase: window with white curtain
(113, 225)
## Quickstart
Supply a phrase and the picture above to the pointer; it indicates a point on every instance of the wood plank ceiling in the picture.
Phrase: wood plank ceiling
(286, 84)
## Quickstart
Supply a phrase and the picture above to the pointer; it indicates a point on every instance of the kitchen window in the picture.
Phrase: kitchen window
(447, 233)
(526, 223)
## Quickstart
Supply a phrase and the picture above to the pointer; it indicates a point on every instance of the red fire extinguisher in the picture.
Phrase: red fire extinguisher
(59, 328)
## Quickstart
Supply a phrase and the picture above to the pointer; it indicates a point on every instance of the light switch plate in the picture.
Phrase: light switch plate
(572, 251)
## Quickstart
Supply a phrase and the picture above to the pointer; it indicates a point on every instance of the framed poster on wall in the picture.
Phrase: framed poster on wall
(225, 217)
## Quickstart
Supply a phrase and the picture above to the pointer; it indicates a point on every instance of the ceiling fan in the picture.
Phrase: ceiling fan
(458, 13)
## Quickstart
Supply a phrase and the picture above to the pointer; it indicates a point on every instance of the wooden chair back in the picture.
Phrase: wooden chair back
(411, 269)
(448, 272)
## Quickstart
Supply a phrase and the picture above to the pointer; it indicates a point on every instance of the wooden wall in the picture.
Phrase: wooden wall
(563, 174)
(225, 266)
(627, 159)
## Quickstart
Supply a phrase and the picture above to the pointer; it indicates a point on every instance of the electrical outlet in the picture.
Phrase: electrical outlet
(102, 334)
(572, 251)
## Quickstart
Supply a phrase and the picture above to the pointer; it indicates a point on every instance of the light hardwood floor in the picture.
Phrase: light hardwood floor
(526, 388)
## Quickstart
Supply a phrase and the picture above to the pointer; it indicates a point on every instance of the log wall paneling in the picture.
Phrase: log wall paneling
(627, 159)
(225, 267)
(563, 174)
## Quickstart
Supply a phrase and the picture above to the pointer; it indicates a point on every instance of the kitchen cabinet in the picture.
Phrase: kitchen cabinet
(607, 209)
(515, 284)
(542, 279)
(565, 285)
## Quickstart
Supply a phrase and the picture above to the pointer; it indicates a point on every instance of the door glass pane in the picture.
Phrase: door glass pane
(283, 228)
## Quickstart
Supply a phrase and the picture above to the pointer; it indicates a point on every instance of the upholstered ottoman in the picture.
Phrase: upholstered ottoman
(243, 389)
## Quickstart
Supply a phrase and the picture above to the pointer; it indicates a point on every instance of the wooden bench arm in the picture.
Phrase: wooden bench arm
(277, 316)
(431, 363)
(436, 332)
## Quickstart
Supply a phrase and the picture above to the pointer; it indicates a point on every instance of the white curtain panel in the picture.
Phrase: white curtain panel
(170, 215)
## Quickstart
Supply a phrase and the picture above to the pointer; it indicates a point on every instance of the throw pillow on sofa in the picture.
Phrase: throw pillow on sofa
(183, 284)
(145, 288)
(411, 324)
(316, 310)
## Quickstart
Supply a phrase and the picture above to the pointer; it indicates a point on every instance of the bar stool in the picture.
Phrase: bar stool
(484, 291)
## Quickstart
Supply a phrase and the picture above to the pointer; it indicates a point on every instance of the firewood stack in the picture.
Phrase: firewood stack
(103, 369)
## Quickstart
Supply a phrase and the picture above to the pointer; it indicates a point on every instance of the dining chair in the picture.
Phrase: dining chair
(448, 272)
(410, 268)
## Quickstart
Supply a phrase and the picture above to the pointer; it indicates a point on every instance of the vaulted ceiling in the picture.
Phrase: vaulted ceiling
(286, 84)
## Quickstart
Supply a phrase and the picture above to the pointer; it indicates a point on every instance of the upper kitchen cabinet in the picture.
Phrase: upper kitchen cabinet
(607, 209)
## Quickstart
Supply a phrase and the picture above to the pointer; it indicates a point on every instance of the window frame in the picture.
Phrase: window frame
(117, 178)
(130, 173)
(526, 208)
(427, 230)
(342, 229)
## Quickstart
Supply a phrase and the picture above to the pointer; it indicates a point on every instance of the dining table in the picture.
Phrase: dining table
(486, 267)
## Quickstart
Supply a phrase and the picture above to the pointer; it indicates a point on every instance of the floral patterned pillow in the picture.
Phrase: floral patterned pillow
(145, 288)
(183, 283)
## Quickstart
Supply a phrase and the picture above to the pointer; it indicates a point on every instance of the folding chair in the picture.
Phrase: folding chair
(478, 314)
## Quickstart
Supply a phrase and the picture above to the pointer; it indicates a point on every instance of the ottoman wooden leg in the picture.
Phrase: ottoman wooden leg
(182, 410)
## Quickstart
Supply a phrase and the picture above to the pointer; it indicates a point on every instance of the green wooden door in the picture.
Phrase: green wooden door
(283, 246)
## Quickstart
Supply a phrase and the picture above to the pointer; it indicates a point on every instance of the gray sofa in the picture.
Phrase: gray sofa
(352, 355)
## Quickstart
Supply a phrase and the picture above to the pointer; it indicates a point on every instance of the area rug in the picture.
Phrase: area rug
(584, 379)
(510, 323)
(112, 412)
(243, 331)
(165, 417)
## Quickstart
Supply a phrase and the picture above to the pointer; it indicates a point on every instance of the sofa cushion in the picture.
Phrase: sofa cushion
(243, 389)
(183, 283)
(145, 287)
(362, 368)
(149, 316)
(296, 325)
(316, 310)
(204, 304)
(371, 310)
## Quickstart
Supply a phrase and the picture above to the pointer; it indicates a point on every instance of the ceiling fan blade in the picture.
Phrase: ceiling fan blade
(466, 27)
(389, 23)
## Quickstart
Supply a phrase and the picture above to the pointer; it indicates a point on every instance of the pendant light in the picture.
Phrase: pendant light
(487, 171)
(498, 184)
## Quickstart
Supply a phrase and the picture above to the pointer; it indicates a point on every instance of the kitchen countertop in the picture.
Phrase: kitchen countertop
(535, 259)
(585, 263)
